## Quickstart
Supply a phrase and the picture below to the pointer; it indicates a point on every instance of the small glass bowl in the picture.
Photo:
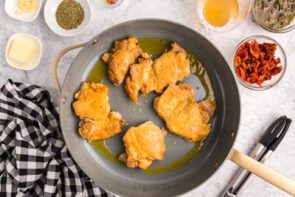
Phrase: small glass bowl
(288, 28)
(244, 10)
(279, 53)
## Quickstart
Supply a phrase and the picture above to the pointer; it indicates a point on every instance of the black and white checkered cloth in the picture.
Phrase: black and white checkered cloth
(34, 160)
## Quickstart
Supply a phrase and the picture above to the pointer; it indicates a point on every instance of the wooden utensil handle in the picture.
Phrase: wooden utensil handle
(57, 60)
(264, 172)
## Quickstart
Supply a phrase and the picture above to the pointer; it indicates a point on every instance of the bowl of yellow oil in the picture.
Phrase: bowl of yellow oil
(222, 15)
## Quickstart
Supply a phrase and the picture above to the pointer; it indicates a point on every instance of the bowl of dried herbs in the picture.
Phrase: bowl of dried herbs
(67, 17)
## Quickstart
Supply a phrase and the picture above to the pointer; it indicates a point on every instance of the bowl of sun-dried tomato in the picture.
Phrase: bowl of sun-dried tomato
(259, 62)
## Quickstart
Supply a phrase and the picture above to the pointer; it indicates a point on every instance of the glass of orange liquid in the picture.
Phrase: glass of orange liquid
(222, 15)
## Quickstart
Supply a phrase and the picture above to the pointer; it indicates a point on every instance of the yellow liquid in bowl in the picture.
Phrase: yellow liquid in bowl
(219, 12)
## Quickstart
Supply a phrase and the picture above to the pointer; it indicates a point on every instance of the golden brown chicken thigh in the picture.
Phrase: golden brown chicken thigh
(147, 76)
(171, 67)
(92, 101)
(92, 106)
(141, 78)
(124, 53)
(144, 144)
(183, 116)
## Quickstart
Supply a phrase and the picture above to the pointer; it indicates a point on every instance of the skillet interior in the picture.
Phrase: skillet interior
(120, 180)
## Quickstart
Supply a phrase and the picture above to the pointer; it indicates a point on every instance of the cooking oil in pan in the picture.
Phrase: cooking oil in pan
(154, 47)
(183, 160)
(98, 72)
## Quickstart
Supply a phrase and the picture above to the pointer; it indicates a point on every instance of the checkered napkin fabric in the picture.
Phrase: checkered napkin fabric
(34, 160)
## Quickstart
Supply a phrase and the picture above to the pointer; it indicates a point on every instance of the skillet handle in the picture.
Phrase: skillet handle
(57, 60)
(264, 172)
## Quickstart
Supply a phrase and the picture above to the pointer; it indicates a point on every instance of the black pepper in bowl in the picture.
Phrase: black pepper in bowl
(69, 14)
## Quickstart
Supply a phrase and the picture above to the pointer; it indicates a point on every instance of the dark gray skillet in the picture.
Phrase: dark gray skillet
(117, 178)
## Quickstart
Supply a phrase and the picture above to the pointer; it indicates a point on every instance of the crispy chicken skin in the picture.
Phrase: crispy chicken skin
(183, 116)
(171, 67)
(92, 106)
(141, 78)
(124, 53)
(173, 100)
(144, 144)
(147, 76)
(92, 101)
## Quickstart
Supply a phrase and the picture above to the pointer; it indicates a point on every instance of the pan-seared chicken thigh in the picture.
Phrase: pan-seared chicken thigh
(92, 101)
(144, 144)
(141, 78)
(148, 76)
(92, 106)
(183, 116)
(124, 53)
(171, 67)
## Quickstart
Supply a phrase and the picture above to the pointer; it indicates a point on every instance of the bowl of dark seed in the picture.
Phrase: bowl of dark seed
(67, 17)
(277, 16)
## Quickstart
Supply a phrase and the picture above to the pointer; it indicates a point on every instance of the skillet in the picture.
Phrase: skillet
(117, 178)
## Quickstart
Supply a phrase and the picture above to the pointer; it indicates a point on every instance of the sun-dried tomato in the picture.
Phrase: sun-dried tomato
(256, 63)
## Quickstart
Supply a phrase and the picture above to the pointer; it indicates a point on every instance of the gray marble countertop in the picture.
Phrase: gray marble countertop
(258, 108)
